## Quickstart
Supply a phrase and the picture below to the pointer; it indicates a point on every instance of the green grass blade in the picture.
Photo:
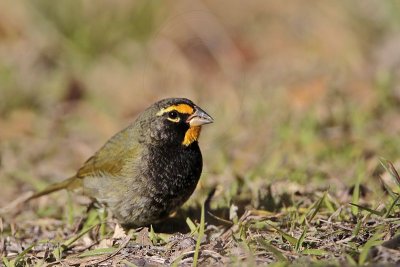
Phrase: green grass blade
(315, 252)
(102, 213)
(289, 238)
(317, 207)
(388, 189)
(176, 262)
(329, 203)
(271, 248)
(392, 206)
(299, 243)
(97, 252)
(199, 238)
(292, 240)
(58, 251)
(355, 198)
(312, 210)
(8, 263)
(72, 240)
(388, 166)
(154, 238)
(193, 228)
(379, 213)
(360, 173)
(357, 228)
(375, 240)
(23, 253)
(350, 260)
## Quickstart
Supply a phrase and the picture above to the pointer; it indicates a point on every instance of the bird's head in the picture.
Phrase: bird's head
(175, 121)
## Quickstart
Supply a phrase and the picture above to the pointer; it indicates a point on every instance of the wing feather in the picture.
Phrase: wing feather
(114, 159)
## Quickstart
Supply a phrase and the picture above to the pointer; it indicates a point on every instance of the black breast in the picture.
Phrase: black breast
(173, 175)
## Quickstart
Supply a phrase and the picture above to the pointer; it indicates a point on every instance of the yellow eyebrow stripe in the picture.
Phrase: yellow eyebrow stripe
(181, 108)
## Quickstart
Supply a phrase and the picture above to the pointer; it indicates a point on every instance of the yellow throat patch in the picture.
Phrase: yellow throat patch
(192, 134)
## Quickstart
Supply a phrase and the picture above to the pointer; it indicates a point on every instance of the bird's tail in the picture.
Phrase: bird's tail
(70, 183)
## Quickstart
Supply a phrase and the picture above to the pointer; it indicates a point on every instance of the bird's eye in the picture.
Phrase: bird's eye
(173, 114)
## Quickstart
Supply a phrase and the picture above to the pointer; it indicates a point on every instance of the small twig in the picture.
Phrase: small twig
(336, 225)
(107, 257)
(206, 252)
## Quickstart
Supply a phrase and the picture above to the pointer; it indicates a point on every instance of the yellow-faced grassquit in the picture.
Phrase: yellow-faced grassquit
(149, 169)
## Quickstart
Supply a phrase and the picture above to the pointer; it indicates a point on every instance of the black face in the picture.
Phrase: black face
(174, 127)
(169, 124)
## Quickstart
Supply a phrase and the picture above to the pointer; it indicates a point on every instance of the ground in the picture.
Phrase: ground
(300, 167)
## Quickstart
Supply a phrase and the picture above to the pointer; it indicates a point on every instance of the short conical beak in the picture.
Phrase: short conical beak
(199, 117)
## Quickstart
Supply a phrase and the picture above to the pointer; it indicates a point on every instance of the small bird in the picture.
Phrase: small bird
(148, 170)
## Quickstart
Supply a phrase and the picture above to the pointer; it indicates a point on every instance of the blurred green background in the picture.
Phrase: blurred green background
(303, 93)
